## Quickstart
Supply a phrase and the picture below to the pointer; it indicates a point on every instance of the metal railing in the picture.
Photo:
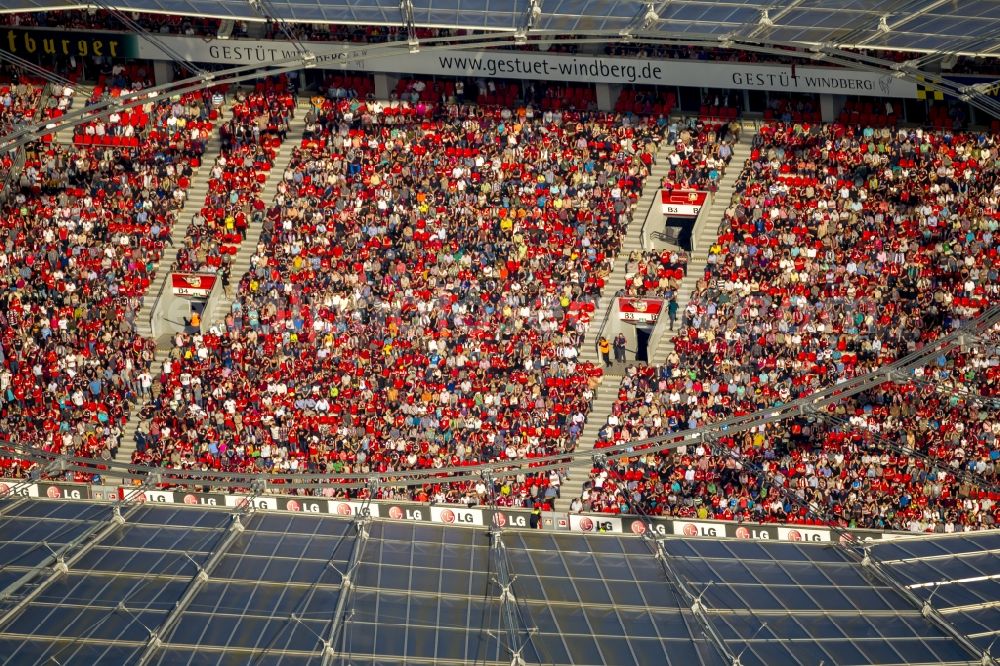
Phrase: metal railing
(643, 233)
(155, 312)
(604, 322)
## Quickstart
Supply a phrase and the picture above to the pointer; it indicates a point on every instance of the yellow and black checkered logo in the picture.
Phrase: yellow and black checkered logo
(926, 92)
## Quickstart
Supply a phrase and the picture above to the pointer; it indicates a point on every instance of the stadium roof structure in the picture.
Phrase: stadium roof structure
(92, 583)
(970, 26)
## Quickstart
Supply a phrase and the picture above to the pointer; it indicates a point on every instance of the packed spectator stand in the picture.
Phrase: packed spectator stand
(655, 273)
(416, 301)
(702, 152)
(920, 204)
(846, 248)
(82, 238)
(250, 138)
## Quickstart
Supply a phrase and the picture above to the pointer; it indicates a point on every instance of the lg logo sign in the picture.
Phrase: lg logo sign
(588, 524)
(308, 507)
(451, 516)
(691, 529)
(345, 509)
(515, 520)
(640, 528)
(6, 490)
(746, 533)
(398, 513)
(198, 499)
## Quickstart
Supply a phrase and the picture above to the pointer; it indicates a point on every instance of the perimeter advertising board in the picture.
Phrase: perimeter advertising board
(465, 515)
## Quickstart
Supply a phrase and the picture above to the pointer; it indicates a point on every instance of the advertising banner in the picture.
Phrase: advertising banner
(268, 503)
(192, 284)
(28, 42)
(803, 534)
(509, 518)
(692, 528)
(538, 66)
(350, 508)
(645, 310)
(303, 504)
(595, 523)
(456, 515)
(9, 488)
(683, 203)
(73, 491)
(408, 511)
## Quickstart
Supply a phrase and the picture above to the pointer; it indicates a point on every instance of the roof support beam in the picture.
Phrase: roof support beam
(874, 568)
(518, 635)
(529, 20)
(362, 524)
(201, 577)
(406, 12)
(683, 588)
(645, 19)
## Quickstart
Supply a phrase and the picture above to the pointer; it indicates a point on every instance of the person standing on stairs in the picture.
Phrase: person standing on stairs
(620, 348)
(672, 311)
(605, 348)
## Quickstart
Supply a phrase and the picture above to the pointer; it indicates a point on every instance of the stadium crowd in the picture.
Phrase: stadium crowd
(702, 152)
(249, 141)
(416, 301)
(655, 273)
(79, 242)
(844, 249)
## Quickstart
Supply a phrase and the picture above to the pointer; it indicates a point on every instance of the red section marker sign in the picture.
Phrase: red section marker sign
(192, 284)
(682, 203)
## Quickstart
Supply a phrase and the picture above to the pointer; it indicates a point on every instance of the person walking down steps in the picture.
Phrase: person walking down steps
(620, 348)
(604, 346)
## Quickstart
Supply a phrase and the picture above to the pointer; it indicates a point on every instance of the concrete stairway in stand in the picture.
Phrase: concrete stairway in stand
(615, 281)
(579, 469)
(241, 261)
(705, 235)
(81, 94)
(196, 194)
(605, 394)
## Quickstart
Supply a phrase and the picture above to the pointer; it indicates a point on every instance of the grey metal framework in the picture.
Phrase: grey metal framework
(933, 25)
(201, 585)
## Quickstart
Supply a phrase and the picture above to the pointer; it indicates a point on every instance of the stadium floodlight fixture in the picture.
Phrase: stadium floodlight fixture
(765, 18)
(883, 25)
(536, 10)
